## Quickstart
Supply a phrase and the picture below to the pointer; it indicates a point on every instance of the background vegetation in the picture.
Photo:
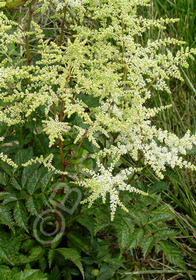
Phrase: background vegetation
(156, 240)
(181, 192)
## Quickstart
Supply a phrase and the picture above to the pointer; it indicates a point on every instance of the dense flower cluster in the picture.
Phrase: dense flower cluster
(55, 129)
(104, 182)
(95, 84)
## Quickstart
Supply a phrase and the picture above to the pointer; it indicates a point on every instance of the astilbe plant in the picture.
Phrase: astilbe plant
(91, 78)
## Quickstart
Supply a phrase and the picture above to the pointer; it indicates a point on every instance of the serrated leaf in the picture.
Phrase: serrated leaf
(101, 220)
(172, 253)
(20, 216)
(33, 181)
(45, 201)
(3, 178)
(72, 255)
(87, 222)
(165, 233)
(147, 245)
(51, 255)
(78, 241)
(4, 256)
(55, 274)
(6, 167)
(160, 214)
(5, 272)
(6, 218)
(162, 209)
(124, 237)
(23, 155)
(9, 198)
(15, 184)
(136, 215)
(36, 252)
(106, 272)
(32, 206)
(30, 274)
(157, 248)
(124, 234)
(45, 180)
(160, 217)
(27, 172)
(137, 238)
(3, 195)
(159, 187)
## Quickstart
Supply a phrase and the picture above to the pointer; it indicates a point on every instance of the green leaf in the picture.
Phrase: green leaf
(33, 181)
(32, 206)
(3, 178)
(3, 195)
(106, 272)
(4, 256)
(36, 253)
(9, 198)
(147, 245)
(137, 238)
(78, 241)
(88, 222)
(165, 233)
(5, 272)
(101, 220)
(90, 100)
(136, 215)
(172, 253)
(15, 184)
(55, 274)
(27, 245)
(44, 199)
(6, 218)
(159, 187)
(160, 217)
(23, 155)
(124, 236)
(20, 216)
(45, 180)
(30, 274)
(87, 145)
(51, 255)
(160, 214)
(124, 233)
(72, 255)
(6, 167)
(27, 172)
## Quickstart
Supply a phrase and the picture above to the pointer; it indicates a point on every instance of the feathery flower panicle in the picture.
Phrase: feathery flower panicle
(104, 182)
(55, 129)
(91, 80)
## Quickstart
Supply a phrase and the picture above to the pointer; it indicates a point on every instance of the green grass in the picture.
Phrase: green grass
(183, 98)
(182, 195)
(185, 11)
